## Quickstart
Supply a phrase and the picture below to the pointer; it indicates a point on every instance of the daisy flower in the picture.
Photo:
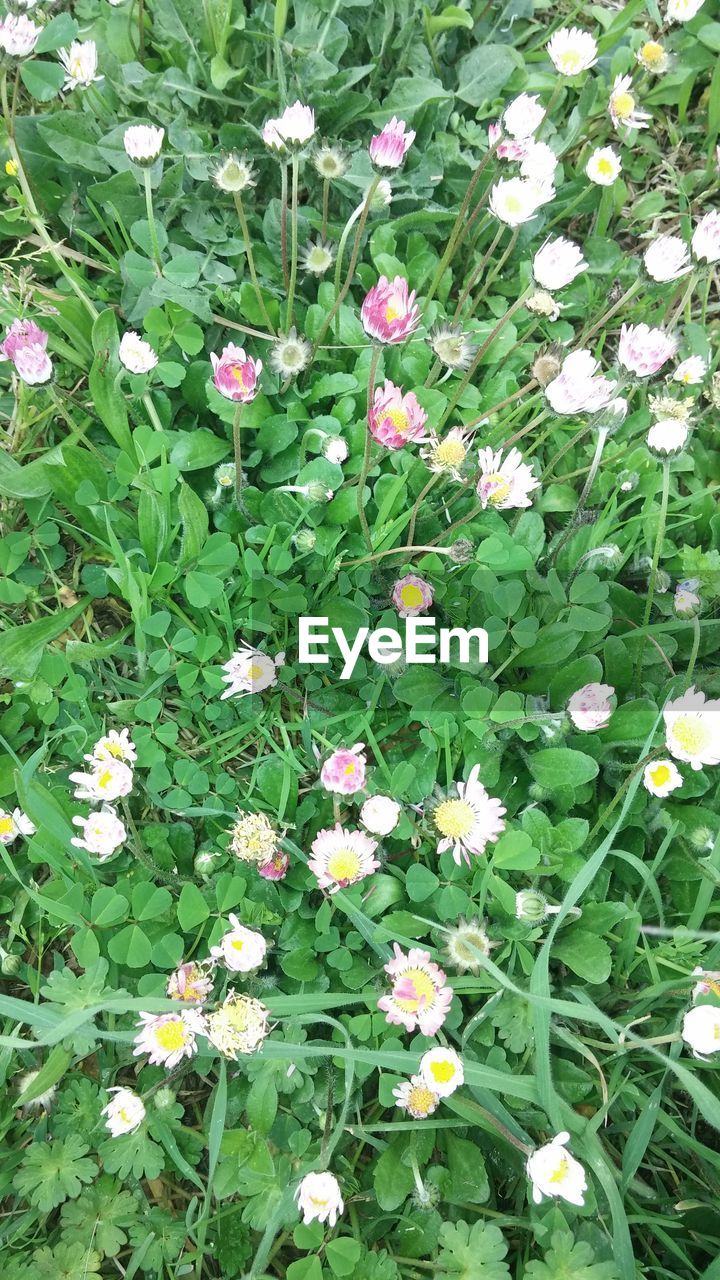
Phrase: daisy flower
(603, 166)
(124, 1112)
(653, 57)
(507, 483)
(13, 825)
(106, 780)
(143, 143)
(578, 387)
(236, 374)
(571, 51)
(692, 728)
(471, 822)
(667, 258)
(250, 671)
(553, 1172)
(416, 1097)
(418, 998)
(80, 63)
(396, 417)
(706, 237)
(442, 1070)
(253, 838)
(660, 777)
(691, 371)
(557, 263)
(240, 949)
(319, 1198)
(168, 1037)
(670, 435)
(523, 116)
(589, 708)
(344, 771)
(114, 746)
(701, 1030)
(390, 312)
(103, 833)
(388, 148)
(341, 858)
(447, 455)
(380, 815)
(623, 107)
(412, 595)
(189, 982)
(135, 354)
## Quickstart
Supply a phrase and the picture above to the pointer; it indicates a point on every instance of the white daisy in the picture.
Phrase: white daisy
(241, 950)
(106, 780)
(442, 1070)
(124, 1112)
(660, 777)
(168, 1037)
(416, 1097)
(555, 1173)
(341, 858)
(250, 671)
(467, 824)
(507, 483)
(692, 728)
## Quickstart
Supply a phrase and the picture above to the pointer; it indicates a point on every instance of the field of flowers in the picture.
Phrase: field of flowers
(333, 944)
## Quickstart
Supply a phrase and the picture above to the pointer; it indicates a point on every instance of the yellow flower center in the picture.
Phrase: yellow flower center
(561, 1171)
(237, 944)
(76, 69)
(105, 779)
(343, 864)
(605, 166)
(237, 374)
(114, 749)
(255, 671)
(391, 313)
(570, 61)
(652, 53)
(454, 818)
(399, 419)
(624, 105)
(442, 1071)
(349, 770)
(513, 204)
(6, 825)
(411, 596)
(319, 1201)
(424, 990)
(691, 734)
(124, 1115)
(498, 487)
(171, 1036)
(451, 453)
(421, 1100)
(660, 775)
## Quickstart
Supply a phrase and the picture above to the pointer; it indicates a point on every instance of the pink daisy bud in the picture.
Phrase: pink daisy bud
(389, 313)
(643, 350)
(396, 417)
(412, 595)
(235, 374)
(388, 148)
(344, 772)
(22, 333)
(276, 868)
(33, 364)
(590, 707)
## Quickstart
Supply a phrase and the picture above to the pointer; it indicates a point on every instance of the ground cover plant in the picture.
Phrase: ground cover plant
(372, 315)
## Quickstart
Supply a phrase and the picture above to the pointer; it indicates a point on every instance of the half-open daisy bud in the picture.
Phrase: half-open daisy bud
(389, 312)
(389, 147)
(124, 1112)
(442, 1070)
(143, 143)
(236, 374)
(556, 1174)
(319, 1198)
(136, 354)
(234, 174)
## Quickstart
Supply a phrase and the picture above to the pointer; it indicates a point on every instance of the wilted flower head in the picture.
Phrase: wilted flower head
(341, 857)
(692, 728)
(412, 595)
(643, 350)
(190, 982)
(504, 483)
(136, 354)
(389, 312)
(80, 63)
(523, 116)
(335, 449)
(706, 237)
(418, 998)
(143, 142)
(466, 944)
(250, 671)
(543, 304)
(557, 263)
(276, 868)
(603, 166)
(344, 771)
(18, 35)
(235, 374)
(553, 1172)
(623, 107)
(330, 162)
(241, 950)
(572, 51)
(234, 173)
(238, 1026)
(289, 354)
(452, 346)
(653, 57)
(388, 148)
(578, 387)
(253, 838)
(395, 417)
(319, 1198)
(317, 258)
(667, 258)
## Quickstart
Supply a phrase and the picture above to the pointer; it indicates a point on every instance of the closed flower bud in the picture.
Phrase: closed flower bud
(305, 540)
(205, 862)
(164, 1099)
(700, 838)
(531, 907)
(10, 965)
(546, 368)
(462, 551)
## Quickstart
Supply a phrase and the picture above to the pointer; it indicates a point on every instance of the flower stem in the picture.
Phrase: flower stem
(251, 260)
(325, 206)
(293, 244)
(655, 563)
(457, 227)
(340, 297)
(479, 355)
(151, 221)
(475, 275)
(368, 448)
(695, 648)
(237, 447)
(587, 489)
(283, 221)
(417, 505)
(498, 267)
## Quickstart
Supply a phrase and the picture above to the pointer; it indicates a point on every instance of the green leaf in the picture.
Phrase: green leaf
(52, 1173)
(52, 1070)
(484, 72)
(472, 1253)
(58, 34)
(107, 398)
(448, 18)
(195, 523)
(192, 908)
(555, 767)
(43, 80)
(587, 955)
(22, 648)
(568, 1260)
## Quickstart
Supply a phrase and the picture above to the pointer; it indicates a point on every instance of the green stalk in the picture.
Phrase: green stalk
(340, 297)
(368, 448)
(457, 227)
(479, 355)
(283, 221)
(151, 220)
(587, 489)
(237, 449)
(655, 563)
(293, 242)
(251, 260)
